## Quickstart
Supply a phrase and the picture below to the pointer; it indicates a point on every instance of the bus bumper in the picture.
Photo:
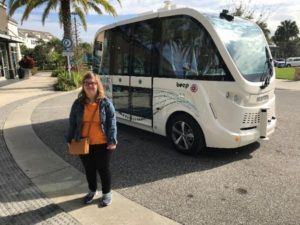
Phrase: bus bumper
(262, 132)
(244, 137)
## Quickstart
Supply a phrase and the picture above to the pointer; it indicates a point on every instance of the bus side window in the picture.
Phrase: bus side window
(95, 59)
(142, 47)
(211, 62)
(172, 48)
(179, 49)
(106, 48)
(120, 50)
(187, 51)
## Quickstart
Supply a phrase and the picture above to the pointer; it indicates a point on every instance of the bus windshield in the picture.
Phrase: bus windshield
(246, 45)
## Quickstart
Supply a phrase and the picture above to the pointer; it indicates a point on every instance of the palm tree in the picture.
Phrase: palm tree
(285, 36)
(64, 7)
(287, 31)
(264, 27)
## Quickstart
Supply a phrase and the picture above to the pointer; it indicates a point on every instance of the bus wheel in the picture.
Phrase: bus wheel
(186, 135)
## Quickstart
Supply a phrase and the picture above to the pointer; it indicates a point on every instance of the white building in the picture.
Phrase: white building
(31, 37)
(12, 29)
(9, 45)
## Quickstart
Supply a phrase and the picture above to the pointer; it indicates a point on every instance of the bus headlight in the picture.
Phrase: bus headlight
(234, 97)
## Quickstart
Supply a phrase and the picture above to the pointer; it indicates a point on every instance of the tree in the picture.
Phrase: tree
(83, 54)
(55, 45)
(286, 38)
(26, 51)
(64, 7)
(264, 27)
(243, 10)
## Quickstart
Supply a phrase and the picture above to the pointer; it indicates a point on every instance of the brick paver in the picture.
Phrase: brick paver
(21, 202)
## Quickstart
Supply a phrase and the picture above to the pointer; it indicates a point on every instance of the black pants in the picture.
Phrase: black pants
(97, 161)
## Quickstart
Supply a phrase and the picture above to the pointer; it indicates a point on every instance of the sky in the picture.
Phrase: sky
(275, 10)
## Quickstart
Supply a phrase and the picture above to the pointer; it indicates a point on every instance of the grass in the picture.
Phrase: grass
(285, 73)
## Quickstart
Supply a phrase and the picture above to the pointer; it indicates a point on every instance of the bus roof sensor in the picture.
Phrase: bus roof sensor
(224, 15)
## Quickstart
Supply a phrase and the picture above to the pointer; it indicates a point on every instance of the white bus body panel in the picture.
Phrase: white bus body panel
(224, 131)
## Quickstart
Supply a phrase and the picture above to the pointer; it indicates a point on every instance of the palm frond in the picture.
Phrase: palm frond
(81, 15)
(14, 5)
(30, 6)
(95, 7)
(52, 4)
(80, 3)
(120, 3)
(108, 7)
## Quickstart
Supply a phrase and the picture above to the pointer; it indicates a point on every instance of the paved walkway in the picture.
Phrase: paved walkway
(287, 84)
(21, 202)
(37, 186)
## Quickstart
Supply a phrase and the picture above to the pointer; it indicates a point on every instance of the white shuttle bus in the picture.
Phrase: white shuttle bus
(202, 80)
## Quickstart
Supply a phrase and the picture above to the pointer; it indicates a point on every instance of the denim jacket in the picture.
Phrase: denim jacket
(108, 121)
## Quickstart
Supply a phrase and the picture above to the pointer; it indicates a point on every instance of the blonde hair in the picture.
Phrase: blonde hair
(100, 90)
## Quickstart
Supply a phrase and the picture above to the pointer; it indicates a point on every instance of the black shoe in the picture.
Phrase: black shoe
(88, 198)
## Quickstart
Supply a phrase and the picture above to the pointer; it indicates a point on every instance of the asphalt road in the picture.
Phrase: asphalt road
(257, 184)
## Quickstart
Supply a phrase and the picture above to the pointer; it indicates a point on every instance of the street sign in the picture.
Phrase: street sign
(67, 43)
(67, 53)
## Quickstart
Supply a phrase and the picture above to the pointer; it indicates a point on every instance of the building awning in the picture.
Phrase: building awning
(10, 39)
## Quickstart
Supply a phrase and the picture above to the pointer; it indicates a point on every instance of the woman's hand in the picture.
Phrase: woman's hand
(111, 147)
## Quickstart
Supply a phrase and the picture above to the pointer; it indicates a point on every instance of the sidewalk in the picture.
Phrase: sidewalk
(37, 186)
(287, 84)
(21, 201)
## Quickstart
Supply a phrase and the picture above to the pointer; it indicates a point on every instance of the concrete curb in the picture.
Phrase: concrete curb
(281, 84)
(62, 183)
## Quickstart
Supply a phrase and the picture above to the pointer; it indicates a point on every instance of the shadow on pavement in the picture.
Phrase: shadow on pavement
(4, 83)
(42, 88)
(39, 215)
(143, 157)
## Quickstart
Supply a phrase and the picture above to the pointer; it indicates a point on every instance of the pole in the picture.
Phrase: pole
(69, 66)
(76, 43)
(76, 34)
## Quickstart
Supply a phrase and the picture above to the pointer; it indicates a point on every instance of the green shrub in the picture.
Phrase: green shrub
(67, 82)
(56, 72)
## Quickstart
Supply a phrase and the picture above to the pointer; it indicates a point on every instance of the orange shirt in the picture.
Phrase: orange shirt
(96, 135)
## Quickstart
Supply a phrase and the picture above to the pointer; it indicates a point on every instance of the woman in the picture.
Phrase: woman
(91, 102)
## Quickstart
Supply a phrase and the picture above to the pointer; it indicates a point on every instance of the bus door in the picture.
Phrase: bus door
(131, 50)
(141, 100)
(132, 98)
(118, 61)
(121, 96)
(141, 82)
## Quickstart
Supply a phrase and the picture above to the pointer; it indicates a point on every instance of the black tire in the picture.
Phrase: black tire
(186, 135)
(288, 65)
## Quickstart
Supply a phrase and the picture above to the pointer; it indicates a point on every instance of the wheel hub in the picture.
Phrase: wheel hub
(182, 135)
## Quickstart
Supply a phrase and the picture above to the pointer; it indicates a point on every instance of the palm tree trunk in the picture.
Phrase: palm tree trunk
(66, 17)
